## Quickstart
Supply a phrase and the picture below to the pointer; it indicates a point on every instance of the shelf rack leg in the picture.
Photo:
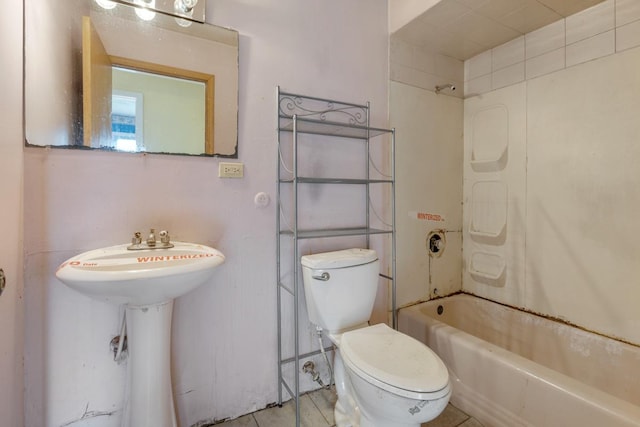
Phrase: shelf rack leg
(296, 286)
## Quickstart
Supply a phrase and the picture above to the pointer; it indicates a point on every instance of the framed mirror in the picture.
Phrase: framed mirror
(105, 79)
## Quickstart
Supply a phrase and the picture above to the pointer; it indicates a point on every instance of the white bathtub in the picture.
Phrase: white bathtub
(511, 368)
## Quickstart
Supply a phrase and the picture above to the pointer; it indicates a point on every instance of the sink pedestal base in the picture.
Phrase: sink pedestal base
(149, 395)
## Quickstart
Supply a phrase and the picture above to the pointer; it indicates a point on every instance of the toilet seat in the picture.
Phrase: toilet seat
(395, 362)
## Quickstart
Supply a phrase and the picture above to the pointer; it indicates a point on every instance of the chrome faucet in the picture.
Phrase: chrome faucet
(151, 242)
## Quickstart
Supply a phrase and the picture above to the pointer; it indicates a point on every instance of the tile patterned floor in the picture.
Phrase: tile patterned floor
(316, 410)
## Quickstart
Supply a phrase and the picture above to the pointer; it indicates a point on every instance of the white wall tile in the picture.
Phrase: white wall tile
(420, 67)
(509, 245)
(412, 76)
(409, 55)
(478, 85)
(400, 52)
(582, 156)
(508, 76)
(627, 11)
(591, 48)
(451, 68)
(628, 36)
(431, 126)
(545, 39)
(529, 15)
(508, 54)
(579, 38)
(399, 73)
(477, 66)
(546, 63)
(424, 60)
(423, 80)
(442, 12)
(592, 21)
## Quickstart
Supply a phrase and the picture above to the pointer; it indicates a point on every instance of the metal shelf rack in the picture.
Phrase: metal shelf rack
(322, 118)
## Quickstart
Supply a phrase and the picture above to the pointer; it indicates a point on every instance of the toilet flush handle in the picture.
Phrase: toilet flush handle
(323, 277)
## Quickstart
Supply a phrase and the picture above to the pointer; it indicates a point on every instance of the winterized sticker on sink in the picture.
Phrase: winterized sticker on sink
(138, 260)
(163, 258)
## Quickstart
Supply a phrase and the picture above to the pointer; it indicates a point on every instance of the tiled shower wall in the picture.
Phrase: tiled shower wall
(565, 184)
(551, 189)
(429, 170)
(428, 191)
(609, 27)
(424, 69)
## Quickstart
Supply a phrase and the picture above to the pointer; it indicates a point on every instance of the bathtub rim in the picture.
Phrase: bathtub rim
(464, 293)
(476, 406)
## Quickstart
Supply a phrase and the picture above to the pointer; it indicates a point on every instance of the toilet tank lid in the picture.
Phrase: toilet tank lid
(339, 259)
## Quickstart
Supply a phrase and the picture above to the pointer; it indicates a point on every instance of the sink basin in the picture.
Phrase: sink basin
(140, 277)
(146, 281)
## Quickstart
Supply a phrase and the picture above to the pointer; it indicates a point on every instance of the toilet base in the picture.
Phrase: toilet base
(349, 412)
(353, 418)
(343, 418)
(346, 412)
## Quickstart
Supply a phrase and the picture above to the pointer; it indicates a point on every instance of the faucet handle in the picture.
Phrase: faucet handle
(137, 238)
(164, 237)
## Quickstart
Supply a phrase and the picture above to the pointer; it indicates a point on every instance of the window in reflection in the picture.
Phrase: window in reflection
(127, 111)
(175, 106)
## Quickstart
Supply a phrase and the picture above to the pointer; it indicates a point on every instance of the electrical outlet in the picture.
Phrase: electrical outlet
(230, 170)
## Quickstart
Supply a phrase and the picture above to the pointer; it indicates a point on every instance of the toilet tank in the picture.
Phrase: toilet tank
(340, 287)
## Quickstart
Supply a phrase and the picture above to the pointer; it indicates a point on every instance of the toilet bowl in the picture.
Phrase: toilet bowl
(393, 379)
(383, 378)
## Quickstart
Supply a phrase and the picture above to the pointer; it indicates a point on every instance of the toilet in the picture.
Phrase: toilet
(383, 377)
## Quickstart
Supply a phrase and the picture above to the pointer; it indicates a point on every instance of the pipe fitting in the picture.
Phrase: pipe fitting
(310, 368)
(436, 242)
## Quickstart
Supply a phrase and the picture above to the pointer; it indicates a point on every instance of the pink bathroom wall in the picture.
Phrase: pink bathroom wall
(224, 333)
(11, 165)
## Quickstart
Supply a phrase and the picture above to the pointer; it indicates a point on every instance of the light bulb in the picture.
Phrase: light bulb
(106, 4)
(145, 13)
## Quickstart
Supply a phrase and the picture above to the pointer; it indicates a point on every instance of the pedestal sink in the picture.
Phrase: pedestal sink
(146, 281)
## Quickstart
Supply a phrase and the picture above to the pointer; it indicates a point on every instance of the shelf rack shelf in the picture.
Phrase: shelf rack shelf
(306, 180)
(329, 128)
(336, 232)
(319, 117)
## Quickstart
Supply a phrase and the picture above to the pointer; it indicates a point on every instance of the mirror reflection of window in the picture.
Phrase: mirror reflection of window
(176, 106)
(70, 104)
(127, 111)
